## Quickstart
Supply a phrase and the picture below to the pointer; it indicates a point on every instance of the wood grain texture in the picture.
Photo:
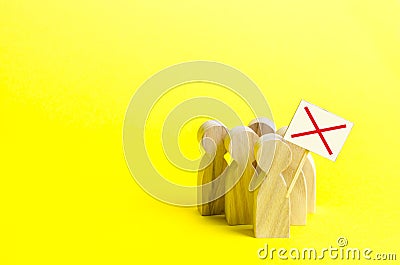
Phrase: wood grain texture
(211, 135)
(262, 126)
(239, 200)
(271, 214)
(298, 201)
(298, 195)
(310, 174)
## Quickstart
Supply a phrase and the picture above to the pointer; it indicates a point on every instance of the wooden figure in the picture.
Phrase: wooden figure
(239, 200)
(294, 177)
(262, 126)
(271, 214)
(211, 136)
(310, 174)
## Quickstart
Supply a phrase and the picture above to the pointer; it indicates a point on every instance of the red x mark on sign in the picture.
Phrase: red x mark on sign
(318, 130)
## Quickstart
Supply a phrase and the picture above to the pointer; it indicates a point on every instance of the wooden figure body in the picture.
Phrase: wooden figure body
(239, 200)
(211, 136)
(310, 174)
(271, 213)
(298, 195)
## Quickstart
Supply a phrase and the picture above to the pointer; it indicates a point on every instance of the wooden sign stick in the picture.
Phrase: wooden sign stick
(297, 163)
(298, 171)
(310, 174)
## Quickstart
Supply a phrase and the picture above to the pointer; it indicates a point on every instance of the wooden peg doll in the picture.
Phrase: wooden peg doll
(239, 200)
(211, 136)
(271, 212)
(298, 196)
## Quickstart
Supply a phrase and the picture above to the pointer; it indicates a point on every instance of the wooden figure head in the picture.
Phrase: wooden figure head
(262, 126)
(240, 144)
(272, 147)
(211, 135)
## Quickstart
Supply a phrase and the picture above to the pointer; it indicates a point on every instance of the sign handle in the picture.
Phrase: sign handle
(296, 175)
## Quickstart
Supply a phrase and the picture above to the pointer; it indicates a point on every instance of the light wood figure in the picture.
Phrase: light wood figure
(211, 136)
(294, 175)
(262, 126)
(310, 174)
(271, 214)
(239, 200)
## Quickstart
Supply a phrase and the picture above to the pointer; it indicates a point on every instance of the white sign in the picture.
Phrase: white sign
(318, 130)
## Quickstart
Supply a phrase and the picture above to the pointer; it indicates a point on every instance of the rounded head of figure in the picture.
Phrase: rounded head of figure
(240, 144)
(271, 149)
(211, 135)
(262, 126)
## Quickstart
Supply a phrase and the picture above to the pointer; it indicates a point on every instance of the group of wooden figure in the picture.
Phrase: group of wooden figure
(275, 179)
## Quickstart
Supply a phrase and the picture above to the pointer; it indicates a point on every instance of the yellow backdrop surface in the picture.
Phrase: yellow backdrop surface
(69, 68)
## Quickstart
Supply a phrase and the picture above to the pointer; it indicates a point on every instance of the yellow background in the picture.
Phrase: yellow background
(69, 68)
